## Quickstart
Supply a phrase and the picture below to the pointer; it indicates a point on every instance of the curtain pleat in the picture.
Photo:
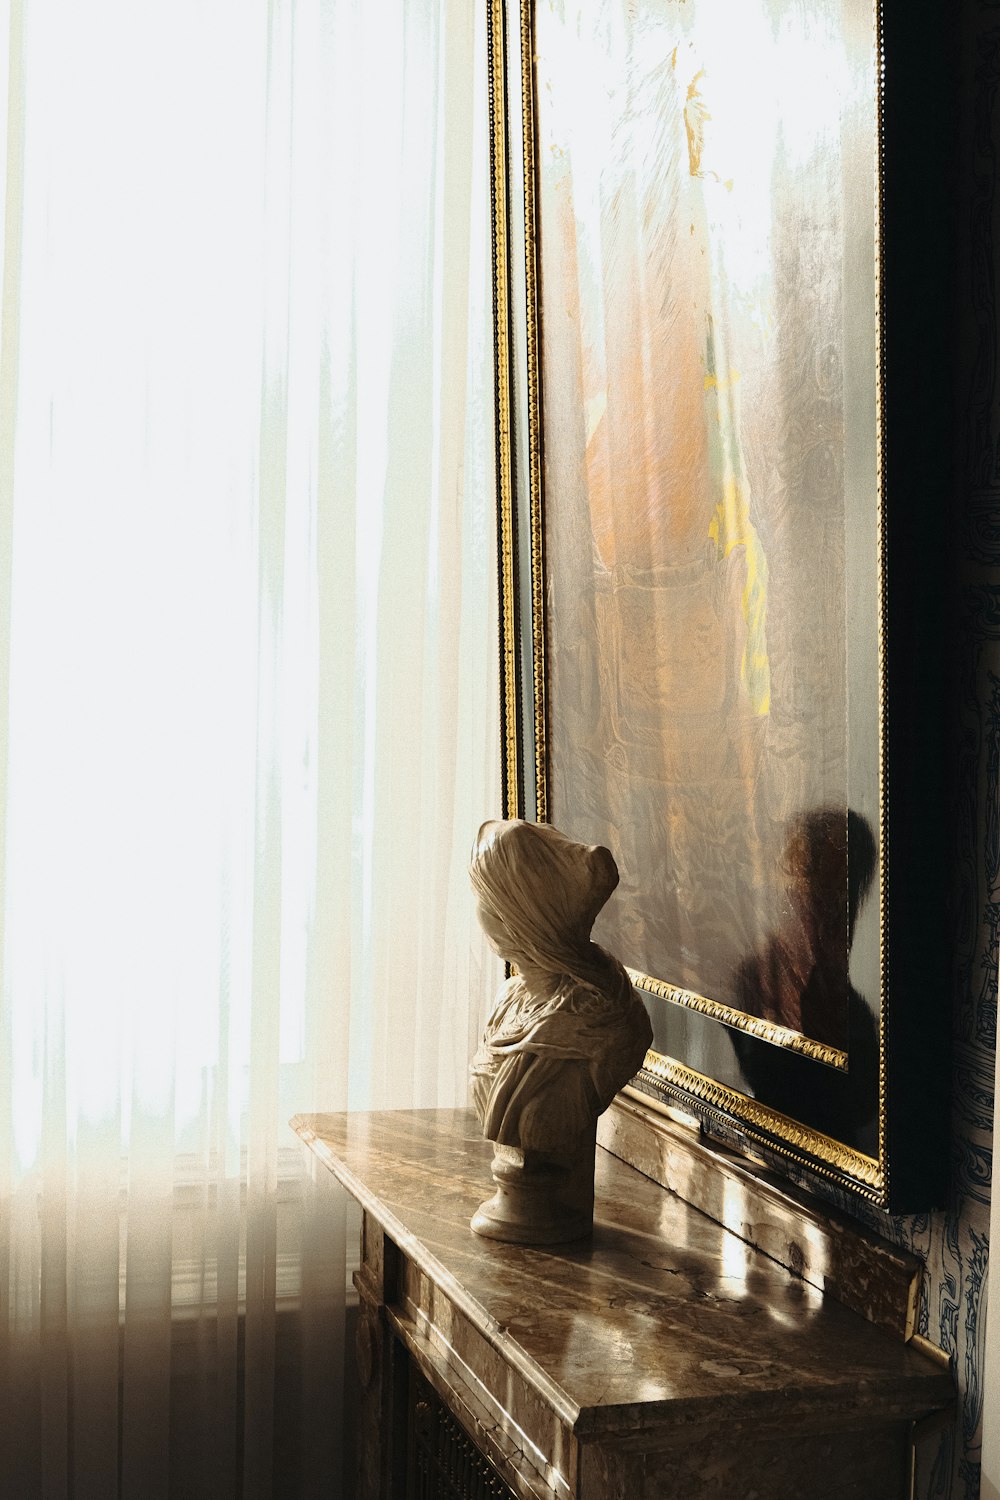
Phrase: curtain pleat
(248, 705)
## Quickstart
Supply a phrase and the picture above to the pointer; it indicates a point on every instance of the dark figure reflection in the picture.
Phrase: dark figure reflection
(800, 978)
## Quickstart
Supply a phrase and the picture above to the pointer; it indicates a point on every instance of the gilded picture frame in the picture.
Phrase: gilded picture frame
(723, 450)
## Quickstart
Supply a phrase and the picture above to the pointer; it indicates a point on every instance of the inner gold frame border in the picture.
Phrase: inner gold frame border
(801, 1145)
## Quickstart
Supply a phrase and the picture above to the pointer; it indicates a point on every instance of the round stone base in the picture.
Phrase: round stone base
(493, 1221)
(539, 1200)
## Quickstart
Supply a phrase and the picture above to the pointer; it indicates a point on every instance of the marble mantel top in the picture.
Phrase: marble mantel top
(664, 1313)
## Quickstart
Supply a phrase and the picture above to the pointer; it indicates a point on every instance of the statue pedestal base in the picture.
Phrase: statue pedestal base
(541, 1198)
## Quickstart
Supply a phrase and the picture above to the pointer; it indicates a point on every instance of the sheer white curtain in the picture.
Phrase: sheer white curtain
(247, 698)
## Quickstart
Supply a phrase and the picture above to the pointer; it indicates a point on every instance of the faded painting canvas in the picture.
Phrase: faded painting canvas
(706, 209)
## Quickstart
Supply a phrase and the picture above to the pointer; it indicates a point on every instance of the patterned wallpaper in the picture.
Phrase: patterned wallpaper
(955, 1243)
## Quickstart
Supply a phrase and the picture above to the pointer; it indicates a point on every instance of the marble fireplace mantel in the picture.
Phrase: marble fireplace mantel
(665, 1357)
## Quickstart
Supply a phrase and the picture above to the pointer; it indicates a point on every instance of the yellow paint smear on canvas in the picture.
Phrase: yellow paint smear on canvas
(732, 527)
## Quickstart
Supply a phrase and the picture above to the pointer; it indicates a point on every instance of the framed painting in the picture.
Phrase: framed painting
(722, 354)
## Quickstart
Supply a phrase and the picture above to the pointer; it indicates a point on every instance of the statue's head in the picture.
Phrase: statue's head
(538, 891)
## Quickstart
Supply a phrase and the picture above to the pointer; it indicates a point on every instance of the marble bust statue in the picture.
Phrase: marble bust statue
(566, 1033)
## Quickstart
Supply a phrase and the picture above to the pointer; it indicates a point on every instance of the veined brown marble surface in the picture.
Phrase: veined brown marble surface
(665, 1320)
(839, 1256)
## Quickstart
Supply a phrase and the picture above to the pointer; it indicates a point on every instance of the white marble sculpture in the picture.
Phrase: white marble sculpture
(567, 1031)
